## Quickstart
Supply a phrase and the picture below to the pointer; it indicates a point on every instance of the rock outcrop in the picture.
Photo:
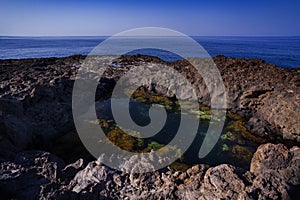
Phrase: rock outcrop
(29, 174)
(36, 108)
(266, 95)
(274, 174)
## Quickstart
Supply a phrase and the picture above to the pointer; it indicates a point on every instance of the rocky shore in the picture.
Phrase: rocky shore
(36, 109)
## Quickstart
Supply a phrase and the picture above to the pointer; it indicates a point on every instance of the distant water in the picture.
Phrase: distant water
(282, 51)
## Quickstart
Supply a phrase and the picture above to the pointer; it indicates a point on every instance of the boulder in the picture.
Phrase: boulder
(277, 171)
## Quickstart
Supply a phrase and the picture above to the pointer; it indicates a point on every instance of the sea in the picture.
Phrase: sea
(281, 51)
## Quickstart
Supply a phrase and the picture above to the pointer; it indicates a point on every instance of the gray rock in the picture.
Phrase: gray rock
(24, 177)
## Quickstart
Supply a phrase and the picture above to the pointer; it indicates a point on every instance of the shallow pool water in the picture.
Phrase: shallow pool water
(235, 146)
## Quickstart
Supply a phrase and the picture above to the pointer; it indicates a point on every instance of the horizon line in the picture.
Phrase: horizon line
(150, 36)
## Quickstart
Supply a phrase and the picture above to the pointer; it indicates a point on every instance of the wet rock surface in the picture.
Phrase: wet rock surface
(36, 108)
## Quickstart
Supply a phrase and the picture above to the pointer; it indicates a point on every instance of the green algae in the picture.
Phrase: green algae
(164, 150)
(201, 114)
(225, 147)
(150, 98)
(239, 127)
(154, 145)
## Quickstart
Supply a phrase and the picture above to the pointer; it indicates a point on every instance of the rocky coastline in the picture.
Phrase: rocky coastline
(36, 109)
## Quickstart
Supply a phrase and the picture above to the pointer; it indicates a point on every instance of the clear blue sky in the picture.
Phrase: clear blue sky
(97, 17)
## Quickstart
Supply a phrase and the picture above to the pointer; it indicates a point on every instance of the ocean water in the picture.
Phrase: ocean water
(281, 51)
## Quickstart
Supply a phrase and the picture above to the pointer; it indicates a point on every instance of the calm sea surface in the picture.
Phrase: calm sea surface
(282, 51)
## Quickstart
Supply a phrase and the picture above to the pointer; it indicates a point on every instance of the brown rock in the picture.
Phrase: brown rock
(277, 171)
(223, 182)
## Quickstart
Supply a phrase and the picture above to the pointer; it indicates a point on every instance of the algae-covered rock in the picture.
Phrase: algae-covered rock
(233, 137)
(147, 97)
(239, 127)
(121, 139)
(164, 150)
(103, 123)
(242, 152)
(179, 166)
(201, 114)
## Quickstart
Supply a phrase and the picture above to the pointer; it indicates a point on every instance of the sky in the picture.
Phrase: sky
(105, 18)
